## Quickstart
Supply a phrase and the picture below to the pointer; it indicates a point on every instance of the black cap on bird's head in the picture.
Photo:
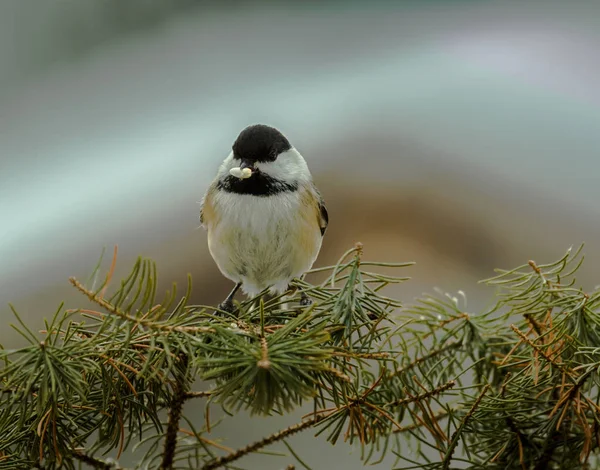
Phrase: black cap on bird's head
(259, 144)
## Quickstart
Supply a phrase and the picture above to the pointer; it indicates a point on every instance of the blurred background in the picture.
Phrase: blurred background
(462, 135)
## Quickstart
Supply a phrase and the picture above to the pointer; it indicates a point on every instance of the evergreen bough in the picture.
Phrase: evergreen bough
(434, 384)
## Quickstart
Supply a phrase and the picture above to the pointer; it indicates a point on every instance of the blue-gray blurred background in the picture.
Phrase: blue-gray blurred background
(462, 135)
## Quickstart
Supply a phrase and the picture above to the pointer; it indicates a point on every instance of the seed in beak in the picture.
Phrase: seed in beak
(241, 173)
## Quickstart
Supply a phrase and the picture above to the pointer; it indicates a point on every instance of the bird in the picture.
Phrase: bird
(263, 214)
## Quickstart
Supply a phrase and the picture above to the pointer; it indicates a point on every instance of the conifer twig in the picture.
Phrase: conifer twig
(140, 321)
(275, 437)
(456, 436)
(198, 394)
(175, 410)
(432, 354)
(410, 427)
(425, 395)
(543, 353)
(92, 461)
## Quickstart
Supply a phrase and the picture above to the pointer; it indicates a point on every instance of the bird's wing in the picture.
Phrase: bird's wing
(206, 206)
(323, 215)
(202, 213)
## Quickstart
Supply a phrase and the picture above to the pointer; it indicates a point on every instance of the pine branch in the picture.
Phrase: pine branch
(92, 461)
(373, 369)
(175, 411)
(139, 321)
(424, 396)
(457, 434)
(427, 357)
(542, 352)
(278, 436)
(435, 417)
(199, 394)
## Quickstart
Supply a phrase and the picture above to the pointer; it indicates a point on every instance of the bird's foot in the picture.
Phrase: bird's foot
(305, 301)
(227, 306)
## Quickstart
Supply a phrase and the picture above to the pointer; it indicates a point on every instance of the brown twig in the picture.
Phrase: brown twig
(434, 353)
(140, 321)
(411, 427)
(92, 461)
(175, 411)
(543, 353)
(278, 436)
(456, 436)
(200, 394)
(424, 396)
(264, 362)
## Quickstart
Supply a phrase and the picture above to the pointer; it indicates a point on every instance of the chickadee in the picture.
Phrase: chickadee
(264, 216)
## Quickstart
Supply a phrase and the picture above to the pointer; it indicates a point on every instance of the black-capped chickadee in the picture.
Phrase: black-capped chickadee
(264, 216)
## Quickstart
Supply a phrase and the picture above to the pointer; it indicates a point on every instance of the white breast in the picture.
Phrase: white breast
(263, 241)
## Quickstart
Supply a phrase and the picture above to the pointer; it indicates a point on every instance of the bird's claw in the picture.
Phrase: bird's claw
(227, 306)
(305, 301)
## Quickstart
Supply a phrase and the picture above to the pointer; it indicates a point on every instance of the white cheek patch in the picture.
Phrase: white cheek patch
(241, 173)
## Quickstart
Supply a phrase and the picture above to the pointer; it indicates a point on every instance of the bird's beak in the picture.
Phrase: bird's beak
(247, 164)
